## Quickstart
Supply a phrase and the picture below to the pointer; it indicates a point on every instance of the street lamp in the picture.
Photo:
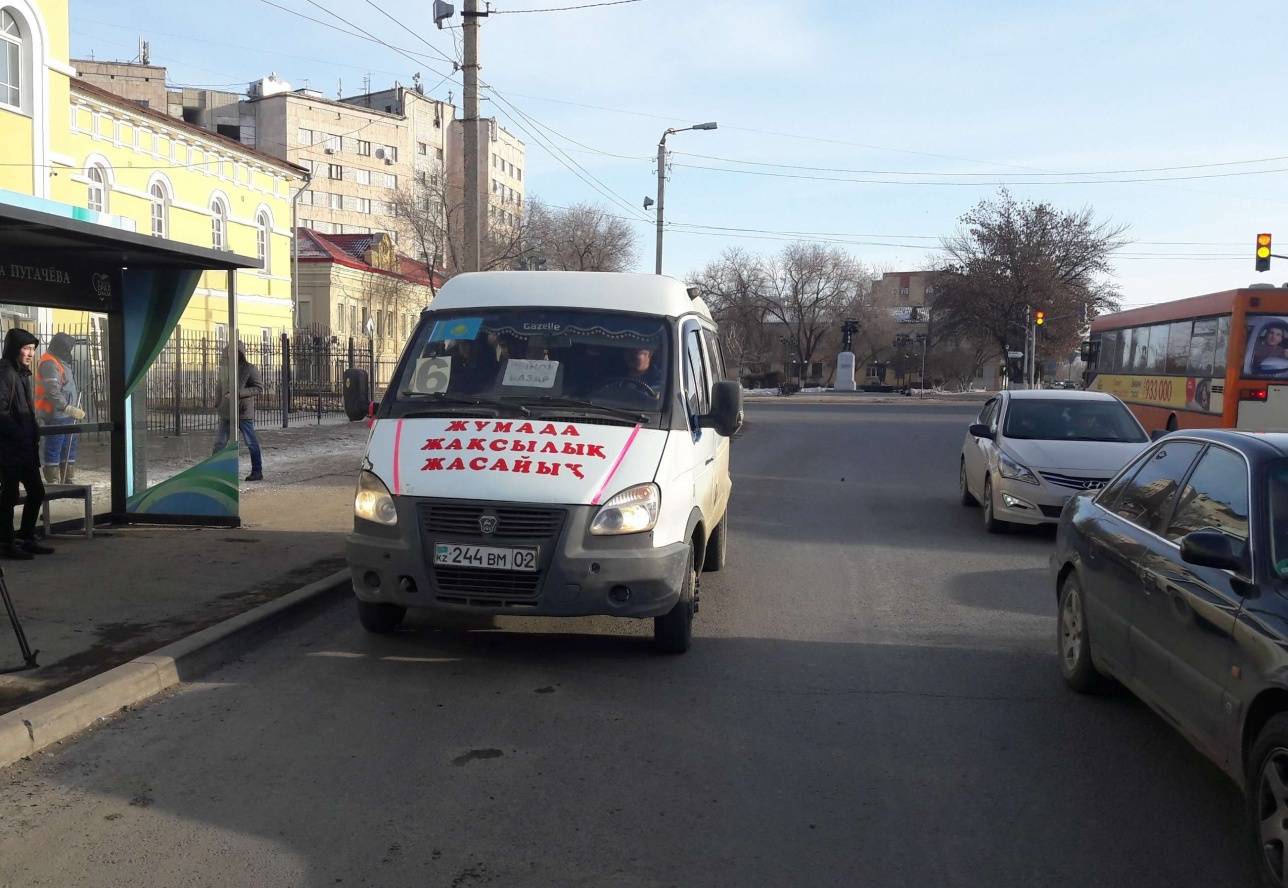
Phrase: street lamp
(661, 178)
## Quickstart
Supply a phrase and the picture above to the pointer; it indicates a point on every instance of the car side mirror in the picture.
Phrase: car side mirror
(980, 430)
(1212, 548)
(1158, 433)
(725, 415)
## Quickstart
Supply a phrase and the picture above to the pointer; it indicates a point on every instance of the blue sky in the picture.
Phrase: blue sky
(1011, 90)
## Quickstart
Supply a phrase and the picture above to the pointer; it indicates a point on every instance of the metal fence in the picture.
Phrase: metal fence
(302, 373)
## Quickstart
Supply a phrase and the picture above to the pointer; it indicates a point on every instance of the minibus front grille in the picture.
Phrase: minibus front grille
(490, 588)
(512, 522)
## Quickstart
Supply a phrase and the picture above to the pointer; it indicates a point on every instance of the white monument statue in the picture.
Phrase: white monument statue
(845, 372)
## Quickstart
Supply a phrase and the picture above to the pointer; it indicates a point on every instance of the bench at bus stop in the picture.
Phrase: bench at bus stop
(83, 492)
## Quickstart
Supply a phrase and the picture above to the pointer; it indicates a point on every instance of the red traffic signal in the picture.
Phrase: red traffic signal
(1263, 252)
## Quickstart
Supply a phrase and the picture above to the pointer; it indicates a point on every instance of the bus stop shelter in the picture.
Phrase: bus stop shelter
(58, 256)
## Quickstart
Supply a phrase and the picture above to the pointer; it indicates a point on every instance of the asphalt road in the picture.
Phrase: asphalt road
(872, 699)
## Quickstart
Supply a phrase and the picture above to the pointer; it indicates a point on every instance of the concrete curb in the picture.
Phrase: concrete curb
(35, 726)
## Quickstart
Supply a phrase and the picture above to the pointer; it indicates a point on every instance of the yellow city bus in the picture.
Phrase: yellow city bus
(1214, 361)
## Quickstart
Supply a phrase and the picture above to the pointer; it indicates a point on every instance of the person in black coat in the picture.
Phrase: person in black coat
(19, 453)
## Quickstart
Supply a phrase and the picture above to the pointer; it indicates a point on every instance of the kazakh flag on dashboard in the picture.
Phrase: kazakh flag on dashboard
(456, 328)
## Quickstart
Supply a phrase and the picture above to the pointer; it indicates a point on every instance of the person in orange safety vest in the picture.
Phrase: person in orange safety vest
(58, 403)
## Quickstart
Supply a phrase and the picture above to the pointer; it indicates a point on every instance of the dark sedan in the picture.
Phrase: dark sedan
(1174, 581)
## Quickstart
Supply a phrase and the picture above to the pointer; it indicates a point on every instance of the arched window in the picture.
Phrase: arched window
(10, 60)
(218, 224)
(263, 231)
(99, 185)
(160, 210)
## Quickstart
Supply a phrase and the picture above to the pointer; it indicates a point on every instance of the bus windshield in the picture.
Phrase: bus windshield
(566, 359)
(1069, 420)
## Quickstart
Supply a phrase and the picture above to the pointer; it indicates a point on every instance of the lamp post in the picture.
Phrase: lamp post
(661, 179)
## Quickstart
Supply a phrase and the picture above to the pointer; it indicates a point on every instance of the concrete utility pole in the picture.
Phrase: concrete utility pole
(661, 180)
(473, 234)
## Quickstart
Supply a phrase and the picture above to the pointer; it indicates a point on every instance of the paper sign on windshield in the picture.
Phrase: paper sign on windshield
(530, 374)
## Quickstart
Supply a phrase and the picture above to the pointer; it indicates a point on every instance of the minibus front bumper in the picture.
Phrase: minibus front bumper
(576, 574)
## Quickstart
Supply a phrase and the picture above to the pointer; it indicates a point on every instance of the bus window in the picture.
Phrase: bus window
(1123, 351)
(1109, 352)
(1222, 345)
(1178, 347)
(1157, 349)
(1202, 348)
(1134, 344)
(1141, 364)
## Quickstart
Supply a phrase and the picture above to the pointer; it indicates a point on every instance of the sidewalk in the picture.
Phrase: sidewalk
(98, 603)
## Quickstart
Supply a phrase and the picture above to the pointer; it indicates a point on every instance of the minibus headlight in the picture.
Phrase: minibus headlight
(634, 510)
(372, 502)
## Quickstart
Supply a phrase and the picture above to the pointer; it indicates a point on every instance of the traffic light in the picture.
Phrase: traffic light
(1263, 252)
(1039, 318)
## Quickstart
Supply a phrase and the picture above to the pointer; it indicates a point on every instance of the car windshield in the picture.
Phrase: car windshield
(1070, 420)
(569, 360)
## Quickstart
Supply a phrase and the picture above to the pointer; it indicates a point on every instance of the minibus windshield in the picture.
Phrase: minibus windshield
(609, 364)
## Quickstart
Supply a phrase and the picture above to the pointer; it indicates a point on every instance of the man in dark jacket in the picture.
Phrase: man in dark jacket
(57, 403)
(248, 387)
(19, 453)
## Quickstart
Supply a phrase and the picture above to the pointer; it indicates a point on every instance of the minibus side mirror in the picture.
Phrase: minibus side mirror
(725, 415)
(357, 394)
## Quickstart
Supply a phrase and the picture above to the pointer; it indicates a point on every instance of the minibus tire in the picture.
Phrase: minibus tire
(717, 547)
(380, 617)
(673, 631)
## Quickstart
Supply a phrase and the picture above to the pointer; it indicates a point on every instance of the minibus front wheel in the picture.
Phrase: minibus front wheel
(380, 617)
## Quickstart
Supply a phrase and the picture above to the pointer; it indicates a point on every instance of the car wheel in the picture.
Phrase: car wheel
(673, 632)
(1267, 801)
(1072, 641)
(717, 547)
(991, 523)
(967, 498)
(379, 617)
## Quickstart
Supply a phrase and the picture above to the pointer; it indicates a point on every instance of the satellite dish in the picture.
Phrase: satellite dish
(380, 154)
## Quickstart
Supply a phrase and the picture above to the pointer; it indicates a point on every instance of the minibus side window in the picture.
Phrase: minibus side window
(696, 388)
(715, 358)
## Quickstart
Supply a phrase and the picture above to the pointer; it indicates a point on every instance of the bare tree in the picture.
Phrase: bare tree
(734, 288)
(808, 290)
(432, 218)
(582, 237)
(1015, 255)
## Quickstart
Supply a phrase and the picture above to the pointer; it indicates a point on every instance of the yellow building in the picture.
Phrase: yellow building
(69, 141)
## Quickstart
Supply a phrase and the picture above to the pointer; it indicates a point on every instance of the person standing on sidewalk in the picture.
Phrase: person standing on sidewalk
(249, 387)
(57, 400)
(19, 452)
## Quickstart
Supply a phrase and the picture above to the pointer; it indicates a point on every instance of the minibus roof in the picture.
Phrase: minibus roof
(648, 294)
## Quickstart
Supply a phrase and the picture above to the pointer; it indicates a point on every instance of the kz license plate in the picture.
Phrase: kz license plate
(486, 557)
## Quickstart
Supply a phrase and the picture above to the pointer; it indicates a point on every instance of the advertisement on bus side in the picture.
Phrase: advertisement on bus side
(1181, 392)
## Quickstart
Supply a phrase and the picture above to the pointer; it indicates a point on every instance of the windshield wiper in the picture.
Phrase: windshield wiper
(581, 404)
(470, 401)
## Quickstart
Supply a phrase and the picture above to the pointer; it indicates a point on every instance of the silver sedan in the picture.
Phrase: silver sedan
(1028, 452)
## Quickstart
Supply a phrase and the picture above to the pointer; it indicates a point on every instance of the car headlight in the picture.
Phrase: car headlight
(1013, 470)
(372, 502)
(634, 510)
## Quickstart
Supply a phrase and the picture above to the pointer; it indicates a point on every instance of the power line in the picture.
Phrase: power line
(1002, 182)
(378, 8)
(790, 166)
(563, 8)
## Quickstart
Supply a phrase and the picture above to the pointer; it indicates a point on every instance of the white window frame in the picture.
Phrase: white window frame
(218, 224)
(263, 239)
(160, 199)
(98, 197)
(12, 41)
